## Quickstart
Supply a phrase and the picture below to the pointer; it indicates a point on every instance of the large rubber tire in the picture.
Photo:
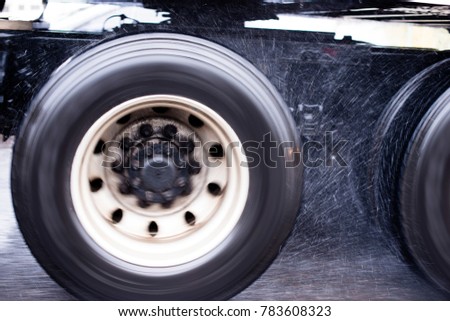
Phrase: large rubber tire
(425, 193)
(399, 149)
(89, 86)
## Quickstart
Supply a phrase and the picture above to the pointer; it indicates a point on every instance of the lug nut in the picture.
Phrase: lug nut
(194, 168)
(146, 130)
(190, 146)
(187, 146)
(181, 182)
(117, 167)
(149, 150)
(169, 131)
(157, 149)
(150, 197)
(135, 164)
(180, 162)
(126, 162)
(126, 143)
(143, 203)
(135, 182)
(168, 195)
(165, 148)
(124, 188)
(187, 190)
(167, 204)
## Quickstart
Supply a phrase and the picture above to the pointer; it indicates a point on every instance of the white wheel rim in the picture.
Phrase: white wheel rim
(176, 241)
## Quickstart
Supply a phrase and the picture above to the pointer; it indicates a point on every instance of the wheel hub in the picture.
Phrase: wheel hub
(158, 174)
(161, 174)
(153, 184)
(157, 165)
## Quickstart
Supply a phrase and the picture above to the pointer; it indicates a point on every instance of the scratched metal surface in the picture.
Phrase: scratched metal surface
(333, 265)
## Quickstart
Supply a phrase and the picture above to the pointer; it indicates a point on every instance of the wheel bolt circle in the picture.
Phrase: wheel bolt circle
(147, 147)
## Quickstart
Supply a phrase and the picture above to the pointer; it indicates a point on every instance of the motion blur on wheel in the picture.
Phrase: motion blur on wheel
(162, 147)
(136, 174)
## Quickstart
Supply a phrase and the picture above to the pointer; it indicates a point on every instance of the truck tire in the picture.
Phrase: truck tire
(142, 173)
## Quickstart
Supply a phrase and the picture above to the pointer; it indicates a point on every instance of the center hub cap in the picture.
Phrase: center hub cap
(159, 174)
